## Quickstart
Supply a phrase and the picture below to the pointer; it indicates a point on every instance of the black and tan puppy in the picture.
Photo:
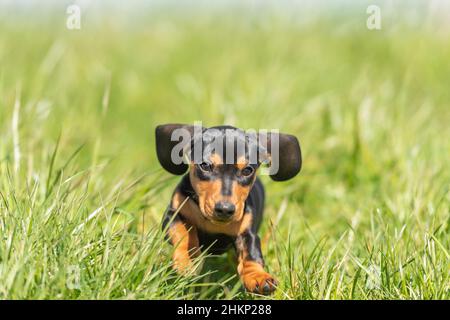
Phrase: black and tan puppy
(221, 198)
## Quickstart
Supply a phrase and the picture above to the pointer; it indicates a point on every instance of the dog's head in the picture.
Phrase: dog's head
(223, 162)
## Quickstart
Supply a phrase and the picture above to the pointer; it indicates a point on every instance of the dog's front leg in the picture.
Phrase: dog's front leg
(251, 264)
(184, 238)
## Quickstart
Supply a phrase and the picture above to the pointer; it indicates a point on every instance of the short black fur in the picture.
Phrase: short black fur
(220, 243)
(246, 242)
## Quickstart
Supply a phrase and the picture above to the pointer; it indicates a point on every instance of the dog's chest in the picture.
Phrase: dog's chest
(215, 243)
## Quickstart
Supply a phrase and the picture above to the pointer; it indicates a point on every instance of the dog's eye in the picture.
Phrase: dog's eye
(247, 171)
(205, 166)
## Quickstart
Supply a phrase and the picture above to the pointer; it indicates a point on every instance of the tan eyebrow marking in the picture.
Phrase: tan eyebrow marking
(216, 159)
(241, 163)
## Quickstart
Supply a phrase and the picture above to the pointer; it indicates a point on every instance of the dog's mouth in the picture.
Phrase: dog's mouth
(221, 222)
(215, 220)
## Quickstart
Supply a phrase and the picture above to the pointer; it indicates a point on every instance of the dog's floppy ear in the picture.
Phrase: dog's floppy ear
(285, 155)
(170, 144)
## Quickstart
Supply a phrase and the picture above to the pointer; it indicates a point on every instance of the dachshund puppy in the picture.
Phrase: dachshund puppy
(219, 203)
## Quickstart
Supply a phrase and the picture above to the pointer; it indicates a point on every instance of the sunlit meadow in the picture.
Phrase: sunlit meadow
(82, 194)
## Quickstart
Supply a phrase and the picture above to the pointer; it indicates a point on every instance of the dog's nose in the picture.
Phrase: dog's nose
(224, 209)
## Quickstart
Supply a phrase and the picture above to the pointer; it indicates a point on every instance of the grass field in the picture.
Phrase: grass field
(82, 194)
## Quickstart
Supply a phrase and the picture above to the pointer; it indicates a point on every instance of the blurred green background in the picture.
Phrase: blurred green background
(371, 109)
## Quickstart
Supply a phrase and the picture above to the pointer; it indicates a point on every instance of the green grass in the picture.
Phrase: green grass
(82, 194)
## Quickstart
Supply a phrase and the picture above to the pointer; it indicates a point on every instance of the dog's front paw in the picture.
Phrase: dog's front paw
(259, 282)
(182, 262)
